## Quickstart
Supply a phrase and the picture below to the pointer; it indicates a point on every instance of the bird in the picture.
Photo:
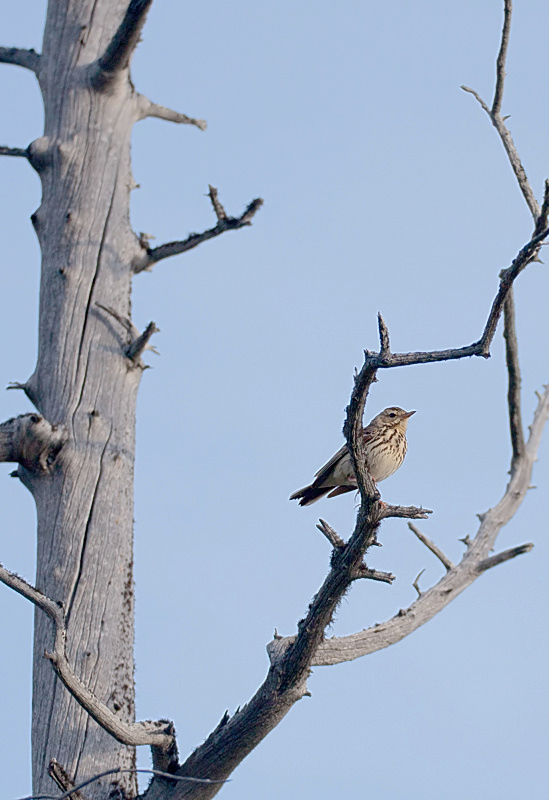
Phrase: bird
(385, 447)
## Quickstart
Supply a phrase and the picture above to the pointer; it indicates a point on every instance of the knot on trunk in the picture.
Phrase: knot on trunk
(31, 441)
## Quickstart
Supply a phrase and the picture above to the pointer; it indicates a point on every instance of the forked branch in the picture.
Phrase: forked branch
(151, 255)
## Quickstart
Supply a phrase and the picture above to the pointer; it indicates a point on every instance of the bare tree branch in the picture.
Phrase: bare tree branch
(404, 512)
(141, 343)
(150, 109)
(502, 56)
(528, 253)
(119, 52)
(19, 152)
(432, 547)
(364, 571)
(29, 59)
(431, 602)
(506, 555)
(513, 372)
(499, 123)
(129, 733)
(224, 223)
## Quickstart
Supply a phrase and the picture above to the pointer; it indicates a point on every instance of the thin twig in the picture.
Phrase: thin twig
(29, 59)
(506, 555)
(333, 537)
(119, 771)
(432, 547)
(18, 152)
(499, 123)
(502, 56)
(415, 584)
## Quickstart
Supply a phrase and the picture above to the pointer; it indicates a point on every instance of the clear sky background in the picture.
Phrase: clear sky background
(386, 188)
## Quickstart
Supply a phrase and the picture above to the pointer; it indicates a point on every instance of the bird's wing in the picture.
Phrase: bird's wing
(325, 471)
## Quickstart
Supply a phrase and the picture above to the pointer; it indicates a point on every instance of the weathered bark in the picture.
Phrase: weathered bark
(84, 382)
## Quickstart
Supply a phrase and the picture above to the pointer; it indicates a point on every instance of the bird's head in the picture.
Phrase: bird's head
(394, 417)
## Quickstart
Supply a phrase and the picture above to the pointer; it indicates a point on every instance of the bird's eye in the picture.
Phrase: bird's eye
(392, 414)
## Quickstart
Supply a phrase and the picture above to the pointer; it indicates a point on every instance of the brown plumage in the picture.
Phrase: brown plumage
(385, 448)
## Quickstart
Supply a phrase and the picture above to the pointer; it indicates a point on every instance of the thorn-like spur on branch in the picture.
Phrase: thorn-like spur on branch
(119, 52)
(141, 343)
(432, 547)
(150, 109)
(31, 441)
(29, 59)
(385, 346)
(364, 571)
(405, 512)
(137, 342)
(130, 733)
(335, 540)
(151, 256)
(506, 555)
(18, 152)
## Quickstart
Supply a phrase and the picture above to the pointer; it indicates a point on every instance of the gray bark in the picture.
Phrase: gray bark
(84, 382)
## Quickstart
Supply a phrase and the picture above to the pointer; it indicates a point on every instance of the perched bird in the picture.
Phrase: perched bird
(385, 448)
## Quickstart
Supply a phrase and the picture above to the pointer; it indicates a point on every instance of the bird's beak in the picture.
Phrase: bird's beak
(408, 414)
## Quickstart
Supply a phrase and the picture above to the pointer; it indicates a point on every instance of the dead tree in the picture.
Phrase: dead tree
(76, 453)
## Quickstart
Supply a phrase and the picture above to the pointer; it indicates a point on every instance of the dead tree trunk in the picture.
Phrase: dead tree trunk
(86, 378)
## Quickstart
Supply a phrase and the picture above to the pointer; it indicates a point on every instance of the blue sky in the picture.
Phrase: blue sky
(386, 189)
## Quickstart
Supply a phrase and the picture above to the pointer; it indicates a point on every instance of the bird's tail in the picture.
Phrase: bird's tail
(309, 495)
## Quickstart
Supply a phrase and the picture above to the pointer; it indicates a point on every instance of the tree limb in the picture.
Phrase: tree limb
(152, 255)
(505, 555)
(117, 56)
(432, 547)
(29, 59)
(375, 361)
(498, 121)
(502, 56)
(513, 372)
(129, 733)
(149, 109)
(431, 602)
